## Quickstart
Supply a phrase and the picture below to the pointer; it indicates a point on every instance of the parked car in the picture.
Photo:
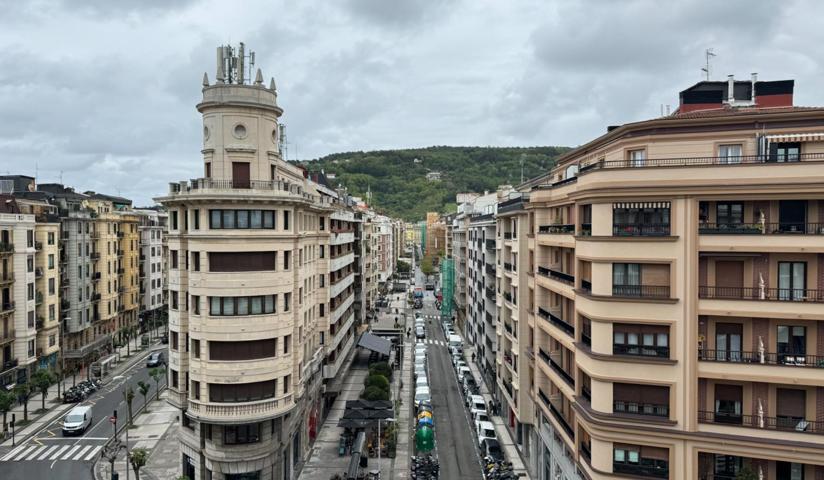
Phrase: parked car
(78, 420)
(420, 371)
(420, 332)
(476, 404)
(156, 359)
(485, 430)
(492, 449)
(480, 417)
(462, 372)
(420, 348)
(421, 381)
(422, 395)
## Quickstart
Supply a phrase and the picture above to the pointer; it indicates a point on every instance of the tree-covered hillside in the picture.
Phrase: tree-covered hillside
(397, 178)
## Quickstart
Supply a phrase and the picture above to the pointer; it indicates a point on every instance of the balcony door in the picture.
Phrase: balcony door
(728, 342)
(785, 152)
(792, 344)
(791, 408)
(789, 471)
(729, 279)
(728, 401)
(792, 216)
(240, 174)
(792, 280)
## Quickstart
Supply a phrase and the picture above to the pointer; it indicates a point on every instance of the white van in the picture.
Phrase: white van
(485, 430)
(78, 420)
(455, 341)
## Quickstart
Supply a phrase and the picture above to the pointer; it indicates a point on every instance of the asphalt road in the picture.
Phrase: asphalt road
(49, 455)
(455, 441)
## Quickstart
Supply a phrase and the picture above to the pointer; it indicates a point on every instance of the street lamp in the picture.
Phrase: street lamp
(379, 442)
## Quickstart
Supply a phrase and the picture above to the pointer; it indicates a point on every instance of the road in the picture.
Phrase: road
(49, 455)
(455, 441)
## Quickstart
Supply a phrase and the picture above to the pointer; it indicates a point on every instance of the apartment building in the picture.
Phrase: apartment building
(342, 291)
(459, 257)
(248, 258)
(152, 263)
(678, 294)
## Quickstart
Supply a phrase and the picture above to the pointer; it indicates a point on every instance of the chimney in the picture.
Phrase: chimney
(730, 89)
(753, 79)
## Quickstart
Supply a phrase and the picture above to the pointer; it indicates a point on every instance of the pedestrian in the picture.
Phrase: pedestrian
(473, 357)
(491, 408)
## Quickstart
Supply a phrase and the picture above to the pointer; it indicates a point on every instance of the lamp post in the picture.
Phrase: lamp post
(379, 442)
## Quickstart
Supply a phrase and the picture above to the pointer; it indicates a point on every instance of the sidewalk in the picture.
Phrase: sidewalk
(155, 431)
(55, 406)
(504, 436)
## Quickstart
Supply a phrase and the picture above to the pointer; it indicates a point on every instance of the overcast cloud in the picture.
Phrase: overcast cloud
(103, 92)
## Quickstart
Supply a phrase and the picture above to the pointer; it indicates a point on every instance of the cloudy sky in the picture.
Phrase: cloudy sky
(102, 93)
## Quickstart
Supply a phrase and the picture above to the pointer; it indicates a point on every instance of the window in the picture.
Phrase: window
(50, 237)
(287, 301)
(792, 280)
(196, 219)
(51, 286)
(322, 307)
(322, 250)
(241, 219)
(792, 344)
(634, 399)
(51, 261)
(241, 434)
(242, 261)
(785, 152)
(626, 275)
(287, 343)
(640, 460)
(195, 261)
(728, 401)
(195, 389)
(196, 304)
(174, 376)
(641, 218)
(173, 340)
(729, 153)
(248, 350)
(287, 382)
(637, 158)
(644, 340)
(729, 213)
(322, 280)
(287, 256)
(322, 221)
(174, 220)
(286, 220)
(241, 392)
(196, 348)
(208, 170)
(173, 258)
(254, 305)
(175, 299)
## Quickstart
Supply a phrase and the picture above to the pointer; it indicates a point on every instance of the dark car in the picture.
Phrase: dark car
(156, 359)
(491, 448)
(164, 339)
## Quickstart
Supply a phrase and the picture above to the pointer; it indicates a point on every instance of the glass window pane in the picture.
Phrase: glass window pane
(649, 339)
(243, 306)
(663, 340)
(243, 219)
(270, 304)
(632, 456)
(228, 305)
(214, 309)
(215, 221)
(256, 220)
(618, 337)
(228, 219)
(257, 305)
(268, 219)
(632, 339)
(619, 455)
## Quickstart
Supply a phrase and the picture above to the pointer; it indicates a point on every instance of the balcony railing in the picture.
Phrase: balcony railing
(766, 358)
(509, 298)
(787, 424)
(38, 272)
(490, 293)
(558, 228)
(490, 244)
(95, 255)
(561, 372)
(507, 266)
(556, 275)
(10, 364)
(490, 269)
(694, 161)
(7, 278)
(6, 307)
(586, 286)
(640, 230)
(641, 350)
(586, 230)
(551, 318)
(6, 247)
(758, 293)
(645, 468)
(644, 291)
(507, 235)
(780, 228)
(561, 419)
(635, 408)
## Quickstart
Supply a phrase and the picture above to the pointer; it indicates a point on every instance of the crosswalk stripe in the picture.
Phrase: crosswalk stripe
(70, 452)
(57, 453)
(93, 452)
(17, 451)
(81, 452)
(30, 456)
(47, 452)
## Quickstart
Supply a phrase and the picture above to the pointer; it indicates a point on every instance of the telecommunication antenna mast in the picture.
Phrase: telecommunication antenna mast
(708, 54)
(234, 65)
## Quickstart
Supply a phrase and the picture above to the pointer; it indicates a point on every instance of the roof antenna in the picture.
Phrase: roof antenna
(708, 54)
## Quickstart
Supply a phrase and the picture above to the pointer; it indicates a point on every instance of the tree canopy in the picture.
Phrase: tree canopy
(397, 178)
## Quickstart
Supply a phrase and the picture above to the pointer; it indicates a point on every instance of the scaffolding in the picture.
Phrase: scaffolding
(447, 286)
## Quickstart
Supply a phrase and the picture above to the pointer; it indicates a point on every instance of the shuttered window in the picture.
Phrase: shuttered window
(254, 305)
(250, 350)
(241, 219)
(241, 392)
(242, 261)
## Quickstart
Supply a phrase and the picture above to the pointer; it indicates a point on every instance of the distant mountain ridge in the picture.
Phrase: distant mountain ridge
(398, 178)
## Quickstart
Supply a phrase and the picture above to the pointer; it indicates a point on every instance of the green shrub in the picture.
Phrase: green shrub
(377, 380)
(374, 393)
(380, 368)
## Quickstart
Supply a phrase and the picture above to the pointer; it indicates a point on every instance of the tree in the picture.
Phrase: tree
(426, 265)
(144, 388)
(41, 381)
(374, 393)
(6, 404)
(377, 380)
(24, 392)
(128, 396)
(111, 451)
(127, 333)
(138, 458)
(404, 267)
(156, 374)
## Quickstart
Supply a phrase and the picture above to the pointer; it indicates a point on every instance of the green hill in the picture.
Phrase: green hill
(397, 178)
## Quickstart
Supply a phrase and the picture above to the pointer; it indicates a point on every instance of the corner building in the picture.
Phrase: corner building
(245, 244)
(679, 294)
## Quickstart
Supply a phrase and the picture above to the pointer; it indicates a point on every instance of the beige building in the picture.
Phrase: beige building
(248, 286)
(676, 299)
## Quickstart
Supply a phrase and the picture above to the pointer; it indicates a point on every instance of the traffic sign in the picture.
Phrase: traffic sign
(113, 419)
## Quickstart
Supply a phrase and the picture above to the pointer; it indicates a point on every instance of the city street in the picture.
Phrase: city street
(455, 441)
(50, 455)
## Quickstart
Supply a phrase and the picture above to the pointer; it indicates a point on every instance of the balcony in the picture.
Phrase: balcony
(552, 364)
(556, 321)
(508, 297)
(38, 272)
(241, 412)
(642, 291)
(7, 278)
(696, 161)
(95, 256)
(761, 358)
(556, 275)
(586, 230)
(95, 297)
(88, 348)
(556, 413)
(121, 234)
(644, 468)
(641, 350)
(121, 271)
(490, 244)
(120, 253)
(781, 228)
(508, 236)
(635, 408)
(490, 293)
(10, 365)
(557, 228)
(640, 230)
(6, 307)
(758, 293)
(212, 186)
(6, 248)
(761, 422)
(96, 277)
(38, 298)
(490, 269)
(7, 336)
(508, 266)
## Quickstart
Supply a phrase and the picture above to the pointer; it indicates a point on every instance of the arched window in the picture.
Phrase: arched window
(571, 171)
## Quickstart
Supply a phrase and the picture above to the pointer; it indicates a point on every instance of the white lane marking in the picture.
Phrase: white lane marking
(59, 452)
(47, 453)
(17, 451)
(81, 452)
(70, 452)
(31, 455)
(93, 452)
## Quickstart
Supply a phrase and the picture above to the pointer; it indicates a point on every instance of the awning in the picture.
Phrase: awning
(641, 205)
(375, 343)
(796, 137)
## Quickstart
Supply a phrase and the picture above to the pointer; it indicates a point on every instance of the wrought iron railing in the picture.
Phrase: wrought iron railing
(641, 350)
(780, 228)
(639, 408)
(557, 228)
(790, 424)
(645, 291)
(758, 293)
(767, 358)
(640, 229)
